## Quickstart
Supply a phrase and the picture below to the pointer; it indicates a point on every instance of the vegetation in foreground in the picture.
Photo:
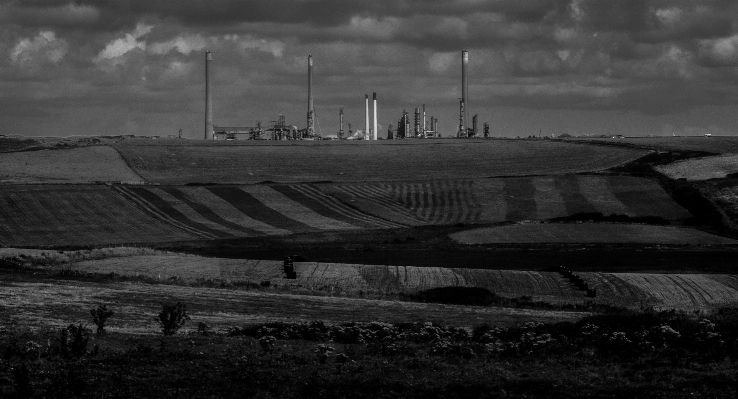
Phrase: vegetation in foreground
(610, 355)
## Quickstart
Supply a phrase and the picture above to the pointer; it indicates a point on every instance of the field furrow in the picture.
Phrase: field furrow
(596, 191)
(335, 205)
(295, 210)
(193, 215)
(548, 199)
(228, 212)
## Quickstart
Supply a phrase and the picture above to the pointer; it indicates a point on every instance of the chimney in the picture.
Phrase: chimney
(311, 109)
(374, 135)
(366, 119)
(465, 87)
(208, 98)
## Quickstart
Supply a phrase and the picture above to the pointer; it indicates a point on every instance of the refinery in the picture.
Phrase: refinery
(417, 126)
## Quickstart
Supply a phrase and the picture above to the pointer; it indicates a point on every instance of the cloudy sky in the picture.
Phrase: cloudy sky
(635, 67)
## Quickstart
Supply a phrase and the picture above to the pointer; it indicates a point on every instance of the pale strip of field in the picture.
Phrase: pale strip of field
(294, 210)
(228, 212)
(186, 267)
(588, 233)
(715, 144)
(76, 165)
(40, 305)
(549, 203)
(701, 168)
(681, 291)
(192, 214)
(492, 203)
(597, 191)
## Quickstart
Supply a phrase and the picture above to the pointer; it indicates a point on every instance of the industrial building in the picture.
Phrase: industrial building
(419, 127)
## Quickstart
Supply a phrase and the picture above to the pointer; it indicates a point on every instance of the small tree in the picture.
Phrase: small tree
(99, 316)
(172, 317)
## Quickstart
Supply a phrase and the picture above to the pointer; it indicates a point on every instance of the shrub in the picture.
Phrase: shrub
(100, 316)
(267, 343)
(172, 318)
(73, 340)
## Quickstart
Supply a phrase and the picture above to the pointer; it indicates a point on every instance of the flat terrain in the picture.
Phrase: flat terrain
(588, 233)
(716, 167)
(187, 161)
(75, 165)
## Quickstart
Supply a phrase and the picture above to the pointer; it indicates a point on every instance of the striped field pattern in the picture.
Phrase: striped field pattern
(57, 215)
(507, 199)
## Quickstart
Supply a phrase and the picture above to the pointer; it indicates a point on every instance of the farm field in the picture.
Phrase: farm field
(69, 215)
(663, 291)
(507, 199)
(37, 304)
(76, 215)
(589, 233)
(701, 168)
(185, 161)
(714, 144)
(75, 165)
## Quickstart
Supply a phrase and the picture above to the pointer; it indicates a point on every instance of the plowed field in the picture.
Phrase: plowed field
(186, 161)
(76, 215)
(588, 233)
(507, 199)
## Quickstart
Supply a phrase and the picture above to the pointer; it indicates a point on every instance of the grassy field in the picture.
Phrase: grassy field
(615, 233)
(701, 168)
(664, 291)
(714, 144)
(76, 165)
(58, 302)
(185, 161)
(76, 215)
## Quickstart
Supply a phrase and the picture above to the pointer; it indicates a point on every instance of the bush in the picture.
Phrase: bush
(100, 315)
(73, 340)
(172, 318)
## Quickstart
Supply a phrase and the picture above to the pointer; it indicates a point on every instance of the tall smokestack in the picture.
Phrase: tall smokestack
(311, 109)
(374, 134)
(366, 125)
(425, 127)
(465, 87)
(208, 98)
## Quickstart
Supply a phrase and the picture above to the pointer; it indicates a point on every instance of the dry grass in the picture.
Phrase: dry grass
(588, 233)
(76, 165)
(701, 168)
(715, 144)
(44, 304)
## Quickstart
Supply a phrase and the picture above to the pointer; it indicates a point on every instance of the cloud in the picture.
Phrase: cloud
(184, 44)
(45, 48)
(121, 46)
(440, 62)
(720, 52)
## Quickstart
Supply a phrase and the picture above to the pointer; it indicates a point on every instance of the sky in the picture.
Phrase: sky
(536, 67)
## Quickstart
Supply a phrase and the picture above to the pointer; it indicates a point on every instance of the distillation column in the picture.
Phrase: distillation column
(374, 132)
(208, 98)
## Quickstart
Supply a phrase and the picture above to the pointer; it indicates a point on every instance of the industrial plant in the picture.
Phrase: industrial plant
(419, 127)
